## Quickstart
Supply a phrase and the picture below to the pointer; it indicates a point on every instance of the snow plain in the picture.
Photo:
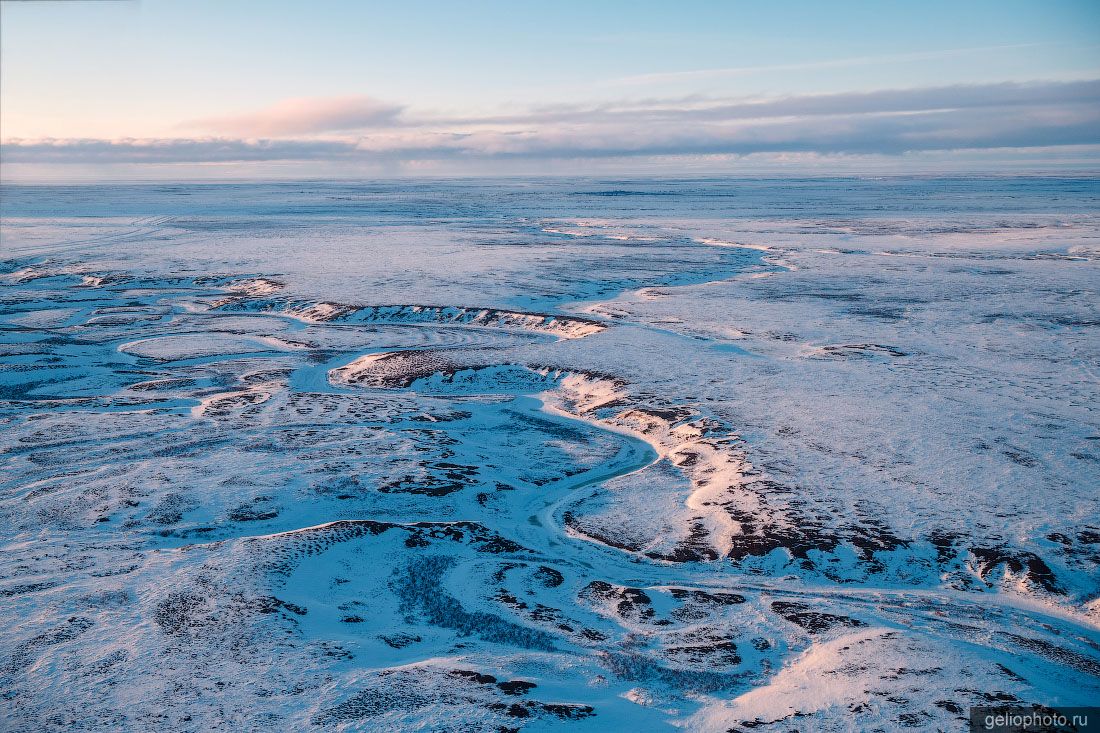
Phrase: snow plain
(549, 455)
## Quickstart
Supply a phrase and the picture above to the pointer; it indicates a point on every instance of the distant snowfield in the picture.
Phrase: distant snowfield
(558, 455)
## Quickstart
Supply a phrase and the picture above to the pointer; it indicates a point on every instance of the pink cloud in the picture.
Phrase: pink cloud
(303, 116)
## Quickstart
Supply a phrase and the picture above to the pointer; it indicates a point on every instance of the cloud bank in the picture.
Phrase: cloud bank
(361, 129)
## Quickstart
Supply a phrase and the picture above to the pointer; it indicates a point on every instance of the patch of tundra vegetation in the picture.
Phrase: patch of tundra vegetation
(678, 470)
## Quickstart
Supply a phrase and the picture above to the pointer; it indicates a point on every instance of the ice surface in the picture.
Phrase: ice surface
(500, 455)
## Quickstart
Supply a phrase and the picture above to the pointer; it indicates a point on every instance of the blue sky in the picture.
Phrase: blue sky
(346, 88)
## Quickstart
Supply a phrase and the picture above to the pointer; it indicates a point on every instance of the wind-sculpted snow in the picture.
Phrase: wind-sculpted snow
(561, 326)
(684, 467)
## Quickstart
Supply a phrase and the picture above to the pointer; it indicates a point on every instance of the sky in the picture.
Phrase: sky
(121, 89)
